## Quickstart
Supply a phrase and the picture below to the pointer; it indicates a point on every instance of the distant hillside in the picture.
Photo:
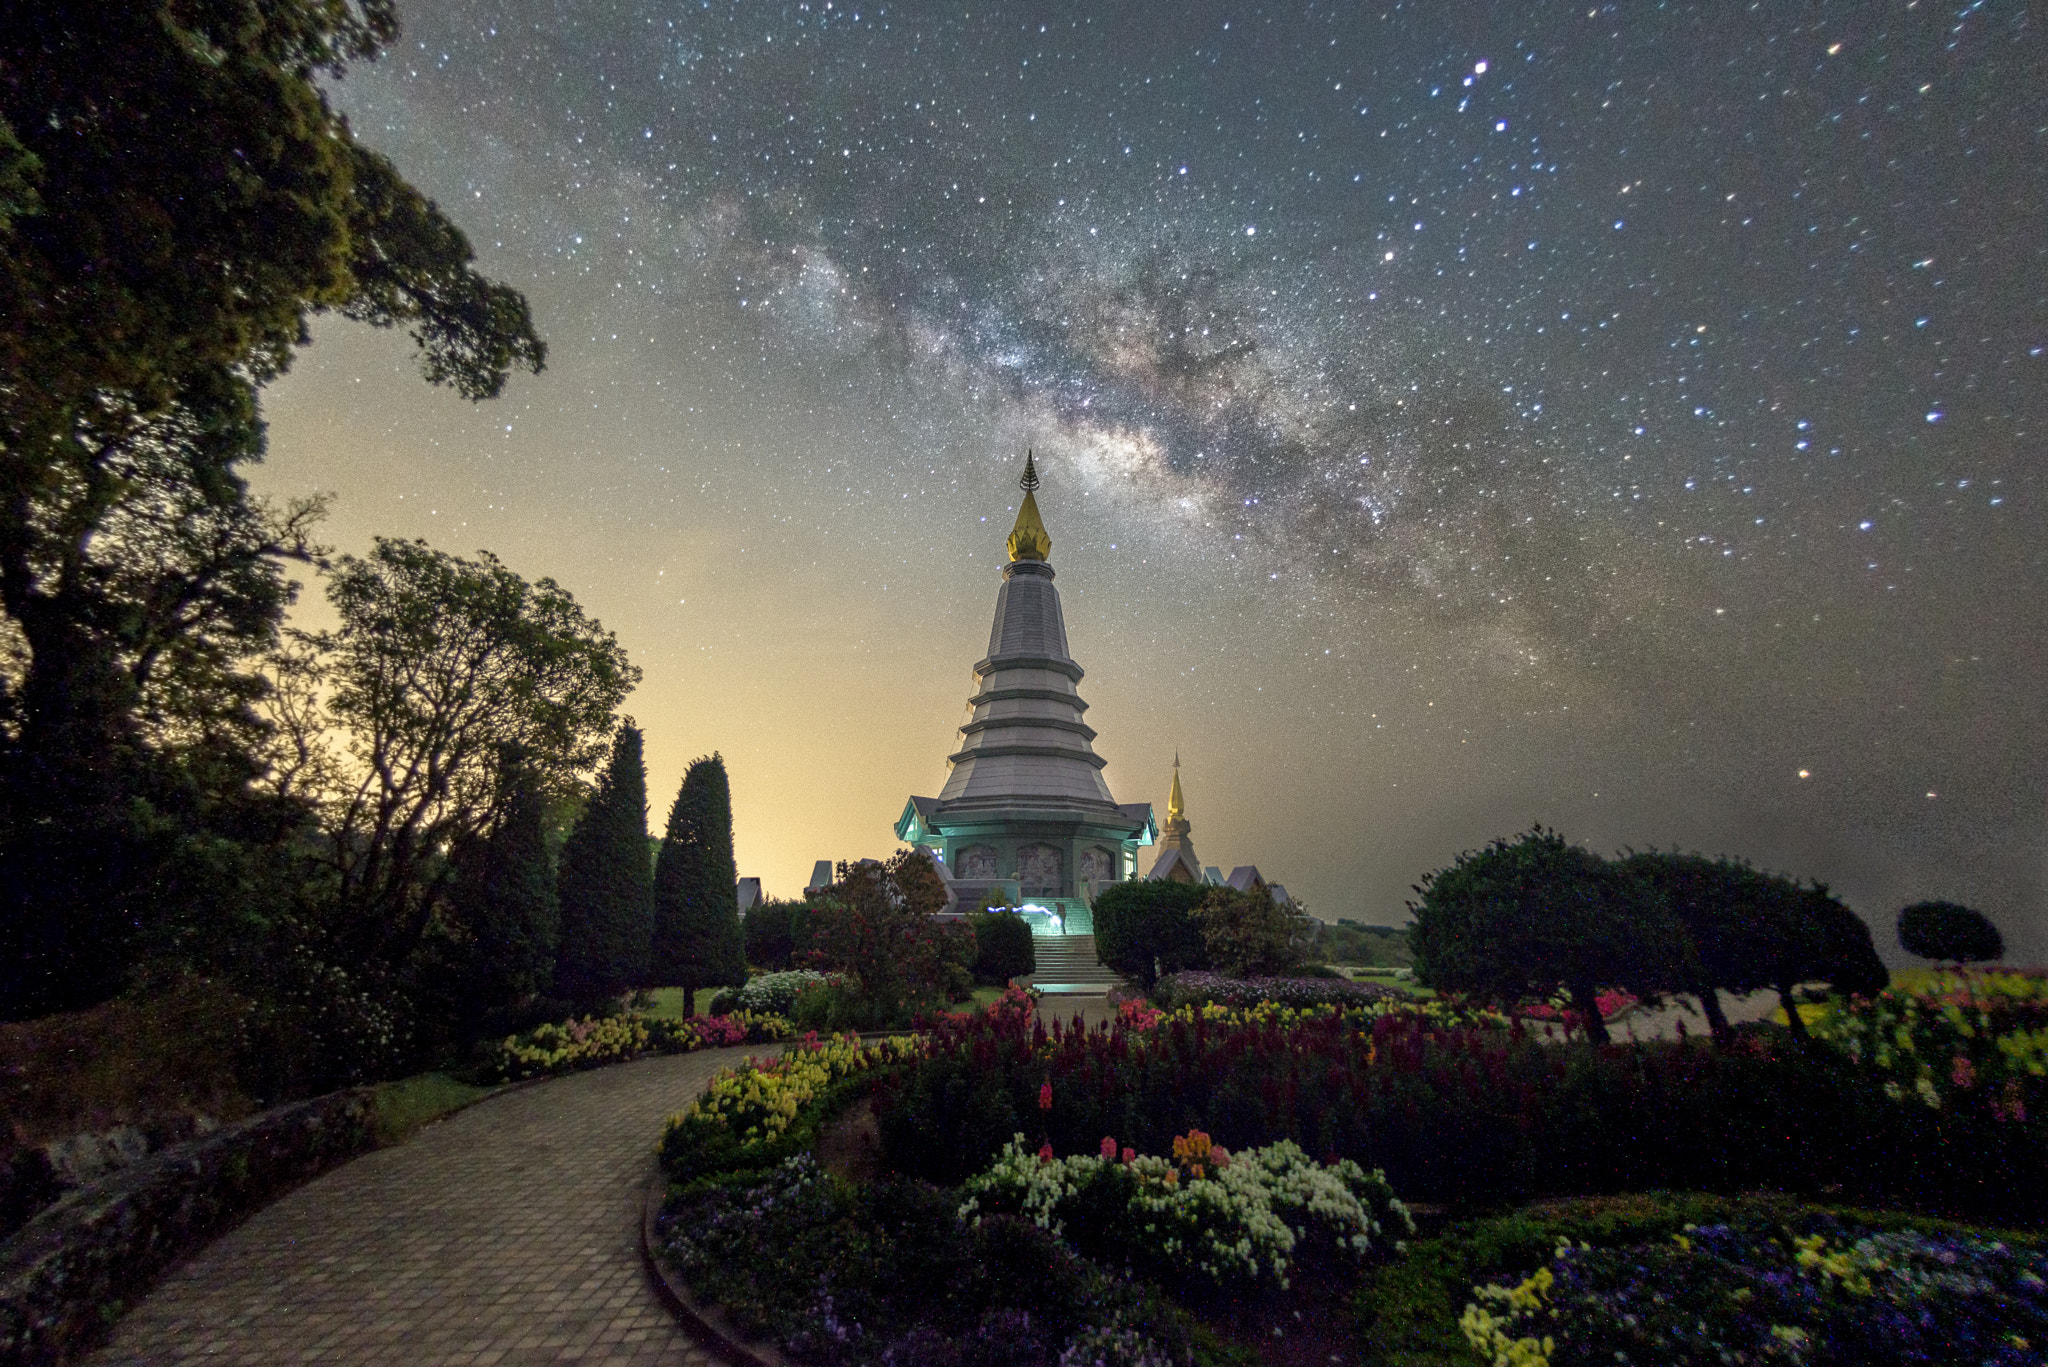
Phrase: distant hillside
(1354, 942)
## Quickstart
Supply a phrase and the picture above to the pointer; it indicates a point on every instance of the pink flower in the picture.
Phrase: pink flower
(1108, 1148)
(1962, 1072)
(1130, 1154)
(1219, 1156)
(1045, 1153)
(1045, 1096)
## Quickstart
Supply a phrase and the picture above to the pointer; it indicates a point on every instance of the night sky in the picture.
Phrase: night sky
(1626, 417)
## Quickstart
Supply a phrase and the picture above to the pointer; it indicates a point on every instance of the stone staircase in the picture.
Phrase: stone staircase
(1067, 965)
(1074, 917)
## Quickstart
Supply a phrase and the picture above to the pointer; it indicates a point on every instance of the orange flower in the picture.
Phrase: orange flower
(1045, 1096)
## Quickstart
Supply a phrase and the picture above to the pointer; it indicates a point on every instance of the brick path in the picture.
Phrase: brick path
(506, 1235)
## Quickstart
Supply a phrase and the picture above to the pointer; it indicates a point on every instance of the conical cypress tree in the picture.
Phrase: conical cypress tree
(606, 886)
(506, 897)
(697, 941)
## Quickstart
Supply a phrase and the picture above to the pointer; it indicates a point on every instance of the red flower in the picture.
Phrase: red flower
(1045, 1153)
(1108, 1148)
(1045, 1096)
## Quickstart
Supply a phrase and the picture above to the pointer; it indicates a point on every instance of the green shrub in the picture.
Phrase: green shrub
(1247, 934)
(1143, 929)
(765, 928)
(1002, 948)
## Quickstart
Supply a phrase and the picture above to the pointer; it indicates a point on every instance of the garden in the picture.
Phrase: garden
(1285, 1168)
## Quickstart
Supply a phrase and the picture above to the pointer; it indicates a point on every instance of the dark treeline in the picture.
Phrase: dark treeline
(354, 832)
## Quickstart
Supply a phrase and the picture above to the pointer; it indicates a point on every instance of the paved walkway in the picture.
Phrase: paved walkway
(506, 1235)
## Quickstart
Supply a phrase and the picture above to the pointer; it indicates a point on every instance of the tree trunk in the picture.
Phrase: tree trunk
(1587, 1003)
(690, 1000)
(1793, 1020)
(1717, 1019)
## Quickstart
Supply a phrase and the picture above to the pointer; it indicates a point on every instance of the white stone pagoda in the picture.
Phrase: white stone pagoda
(1025, 816)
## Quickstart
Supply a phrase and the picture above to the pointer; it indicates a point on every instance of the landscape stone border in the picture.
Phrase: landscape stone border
(66, 1275)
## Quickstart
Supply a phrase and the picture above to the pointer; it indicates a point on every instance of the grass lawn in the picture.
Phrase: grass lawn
(1384, 977)
(402, 1107)
(668, 1001)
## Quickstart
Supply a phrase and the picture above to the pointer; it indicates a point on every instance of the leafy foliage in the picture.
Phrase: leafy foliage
(1521, 916)
(876, 924)
(766, 932)
(697, 939)
(1143, 929)
(436, 666)
(177, 199)
(1002, 948)
(1944, 930)
(1248, 934)
(504, 902)
(607, 885)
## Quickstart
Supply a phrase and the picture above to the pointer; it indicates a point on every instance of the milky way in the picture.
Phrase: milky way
(1681, 365)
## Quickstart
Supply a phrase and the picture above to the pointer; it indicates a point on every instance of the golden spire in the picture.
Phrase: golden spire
(1028, 539)
(1176, 808)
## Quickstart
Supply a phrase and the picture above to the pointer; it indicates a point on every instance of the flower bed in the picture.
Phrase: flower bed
(572, 1046)
(884, 1272)
(757, 1114)
(1457, 1107)
(1974, 1041)
(1203, 1216)
(1194, 988)
(1819, 1290)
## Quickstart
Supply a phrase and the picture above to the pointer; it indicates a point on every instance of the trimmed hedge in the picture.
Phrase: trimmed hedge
(67, 1274)
(1143, 929)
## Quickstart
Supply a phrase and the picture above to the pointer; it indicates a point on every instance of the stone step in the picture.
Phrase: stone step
(1068, 963)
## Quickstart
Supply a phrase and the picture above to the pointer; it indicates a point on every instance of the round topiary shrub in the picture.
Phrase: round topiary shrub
(1944, 930)
(1002, 947)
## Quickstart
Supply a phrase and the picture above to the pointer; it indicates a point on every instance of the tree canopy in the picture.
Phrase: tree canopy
(1949, 931)
(1520, 917)
(178, 199)
(394, 721)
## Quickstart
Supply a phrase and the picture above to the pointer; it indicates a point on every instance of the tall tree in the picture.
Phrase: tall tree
(504, 900)
(177, 199)
(1520, 917)
(436, 665)
(607, 885)
(697, 940)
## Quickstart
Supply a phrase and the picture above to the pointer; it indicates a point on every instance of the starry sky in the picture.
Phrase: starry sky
(1627, 417)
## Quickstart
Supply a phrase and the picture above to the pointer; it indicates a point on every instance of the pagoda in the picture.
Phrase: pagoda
(1025, 816)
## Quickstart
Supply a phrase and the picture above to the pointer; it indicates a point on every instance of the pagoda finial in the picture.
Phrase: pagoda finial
(1029, 539)
(1176, 807)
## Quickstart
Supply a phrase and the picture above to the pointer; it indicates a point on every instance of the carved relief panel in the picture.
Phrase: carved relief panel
(1040, 870)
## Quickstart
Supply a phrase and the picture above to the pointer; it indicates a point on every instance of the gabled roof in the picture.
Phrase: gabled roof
(916, 822)
(1141, 812)
(821, 876)
(1213, 876)
(1171, 858)
(1245, 877)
